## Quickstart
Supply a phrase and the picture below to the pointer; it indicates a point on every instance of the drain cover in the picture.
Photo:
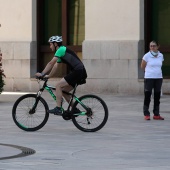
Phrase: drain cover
(24, 151)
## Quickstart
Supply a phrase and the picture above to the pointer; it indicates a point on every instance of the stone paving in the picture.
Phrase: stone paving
(127, 142)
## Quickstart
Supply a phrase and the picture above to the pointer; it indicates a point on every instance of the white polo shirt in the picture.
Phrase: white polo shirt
(153, 65)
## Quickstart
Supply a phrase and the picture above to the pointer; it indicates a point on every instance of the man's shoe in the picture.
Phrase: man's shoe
(56, 111)
(158, 117)
(147, 117)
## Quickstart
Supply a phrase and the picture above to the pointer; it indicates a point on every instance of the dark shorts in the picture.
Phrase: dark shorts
(76, 77)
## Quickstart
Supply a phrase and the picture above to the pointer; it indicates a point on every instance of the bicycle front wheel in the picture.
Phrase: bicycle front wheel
(93, 119)
(26, 118)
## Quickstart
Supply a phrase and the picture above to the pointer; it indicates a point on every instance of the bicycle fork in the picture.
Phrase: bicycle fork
(33, 109)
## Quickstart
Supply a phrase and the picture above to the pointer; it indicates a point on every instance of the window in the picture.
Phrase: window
(59, 17)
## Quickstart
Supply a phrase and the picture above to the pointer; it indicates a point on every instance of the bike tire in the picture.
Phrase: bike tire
(94, 122)
(26, 121)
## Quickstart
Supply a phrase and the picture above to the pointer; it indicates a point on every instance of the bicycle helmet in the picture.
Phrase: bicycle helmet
(55, 39)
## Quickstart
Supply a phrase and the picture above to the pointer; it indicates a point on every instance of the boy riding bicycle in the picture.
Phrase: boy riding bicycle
(77, 75)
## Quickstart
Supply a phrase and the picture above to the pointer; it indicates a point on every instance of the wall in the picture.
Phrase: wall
(18, 42)
(112, 49)
(114, 19)
(114, 45)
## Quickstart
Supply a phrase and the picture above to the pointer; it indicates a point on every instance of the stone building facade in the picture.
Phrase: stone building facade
(115, 39)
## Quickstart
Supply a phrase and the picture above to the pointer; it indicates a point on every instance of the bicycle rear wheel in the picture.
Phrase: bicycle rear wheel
(25, 118)
(95, 118)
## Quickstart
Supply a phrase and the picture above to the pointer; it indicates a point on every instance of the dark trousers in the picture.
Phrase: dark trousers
(150, 84)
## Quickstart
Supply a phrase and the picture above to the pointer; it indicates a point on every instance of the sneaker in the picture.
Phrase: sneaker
(147, 117)
(56, 111)
(158, 117)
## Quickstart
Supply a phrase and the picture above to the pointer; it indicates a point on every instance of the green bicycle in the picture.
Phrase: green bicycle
(30, 111)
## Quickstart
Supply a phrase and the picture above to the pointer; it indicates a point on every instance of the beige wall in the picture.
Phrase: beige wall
(114, 19)
(18, 43)
(114, 44)
(17, 19)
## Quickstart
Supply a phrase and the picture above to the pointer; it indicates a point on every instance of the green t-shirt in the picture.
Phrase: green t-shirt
(60, 53)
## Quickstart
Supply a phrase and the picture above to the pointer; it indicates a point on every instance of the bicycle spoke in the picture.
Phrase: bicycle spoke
(25, 117)
(96, 118)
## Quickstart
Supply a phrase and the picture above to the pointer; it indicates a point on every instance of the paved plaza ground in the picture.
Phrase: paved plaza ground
(127, 142)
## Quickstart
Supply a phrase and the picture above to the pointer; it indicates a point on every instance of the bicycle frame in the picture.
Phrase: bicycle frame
(73, 96)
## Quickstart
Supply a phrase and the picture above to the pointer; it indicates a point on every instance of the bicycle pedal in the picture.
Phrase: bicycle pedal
(66, 115)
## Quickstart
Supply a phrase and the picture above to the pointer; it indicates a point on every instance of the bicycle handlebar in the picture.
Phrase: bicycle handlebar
(42, 78)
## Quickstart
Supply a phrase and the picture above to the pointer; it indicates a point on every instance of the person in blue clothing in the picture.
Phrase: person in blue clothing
(77, 75)
(152, 65)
